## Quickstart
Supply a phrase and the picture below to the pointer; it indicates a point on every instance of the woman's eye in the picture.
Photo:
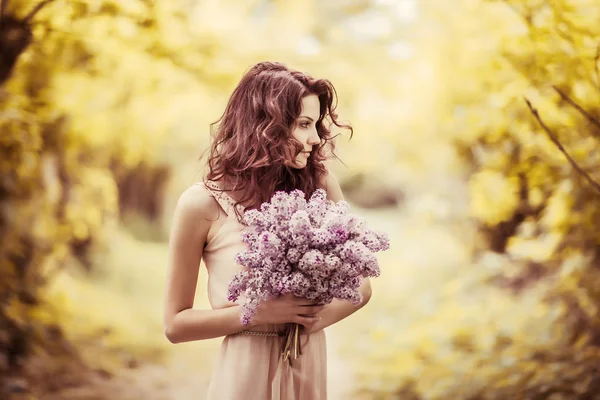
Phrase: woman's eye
(304, 125)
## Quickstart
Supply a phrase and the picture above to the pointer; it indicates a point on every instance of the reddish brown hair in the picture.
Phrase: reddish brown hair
(253, 141)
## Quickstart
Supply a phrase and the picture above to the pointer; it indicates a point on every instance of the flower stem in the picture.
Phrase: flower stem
(291, 343)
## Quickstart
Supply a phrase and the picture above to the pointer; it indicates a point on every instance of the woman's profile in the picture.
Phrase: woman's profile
(273, 135)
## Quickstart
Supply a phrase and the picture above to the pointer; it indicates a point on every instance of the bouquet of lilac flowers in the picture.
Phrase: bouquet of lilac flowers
(314, 249)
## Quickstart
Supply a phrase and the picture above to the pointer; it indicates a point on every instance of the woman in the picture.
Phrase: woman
(272, 136)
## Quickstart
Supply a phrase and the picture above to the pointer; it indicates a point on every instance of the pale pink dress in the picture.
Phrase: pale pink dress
(249, 367)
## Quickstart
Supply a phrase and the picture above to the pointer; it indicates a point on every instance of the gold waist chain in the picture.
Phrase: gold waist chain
(291, 345)
(259, 333)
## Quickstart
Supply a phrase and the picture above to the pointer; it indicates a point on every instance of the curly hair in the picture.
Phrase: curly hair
(252, 142)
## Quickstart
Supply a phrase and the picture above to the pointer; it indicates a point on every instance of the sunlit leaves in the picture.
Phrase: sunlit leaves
(494, 196)
(520, 323)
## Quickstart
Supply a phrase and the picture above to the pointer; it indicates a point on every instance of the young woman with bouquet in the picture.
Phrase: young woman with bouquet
(274, 136)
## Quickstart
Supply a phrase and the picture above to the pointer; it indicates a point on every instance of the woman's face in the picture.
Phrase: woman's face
(305, 129)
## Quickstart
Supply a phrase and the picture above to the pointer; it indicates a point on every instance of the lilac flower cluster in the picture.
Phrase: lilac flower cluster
(314, 249)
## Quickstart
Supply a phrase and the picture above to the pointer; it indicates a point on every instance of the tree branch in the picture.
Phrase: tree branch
(3, 5)
(526, 14)
(596, 60)
(35, 10)
(578, 108)
(555, 140)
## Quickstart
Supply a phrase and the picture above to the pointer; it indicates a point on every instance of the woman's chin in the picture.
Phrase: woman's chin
(297, 164)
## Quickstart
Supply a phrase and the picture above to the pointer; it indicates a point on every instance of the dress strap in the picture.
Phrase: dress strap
(223, 198)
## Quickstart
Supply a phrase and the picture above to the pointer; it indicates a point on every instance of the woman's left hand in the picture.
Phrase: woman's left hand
(314, 326)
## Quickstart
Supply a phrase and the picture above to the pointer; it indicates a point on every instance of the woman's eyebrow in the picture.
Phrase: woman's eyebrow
(304, 116)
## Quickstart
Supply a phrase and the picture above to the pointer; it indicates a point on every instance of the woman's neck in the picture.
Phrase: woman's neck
(237, 194)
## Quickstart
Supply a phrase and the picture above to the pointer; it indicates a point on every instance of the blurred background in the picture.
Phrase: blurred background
(491, 288)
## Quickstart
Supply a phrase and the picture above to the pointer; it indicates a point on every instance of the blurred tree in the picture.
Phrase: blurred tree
(536, 207)
(64, 156)
(15, 36)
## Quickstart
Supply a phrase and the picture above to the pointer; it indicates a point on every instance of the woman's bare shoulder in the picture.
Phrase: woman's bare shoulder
(197, 201)
(331, 185)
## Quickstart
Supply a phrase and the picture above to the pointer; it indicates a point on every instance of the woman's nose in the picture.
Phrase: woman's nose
(314, 138)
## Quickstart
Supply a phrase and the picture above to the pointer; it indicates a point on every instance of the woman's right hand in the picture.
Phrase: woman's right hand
(287, 308)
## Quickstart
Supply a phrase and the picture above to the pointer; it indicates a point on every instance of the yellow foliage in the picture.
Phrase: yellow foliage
(521, 323)
(494, 197)
(112, 86)
(540, 249)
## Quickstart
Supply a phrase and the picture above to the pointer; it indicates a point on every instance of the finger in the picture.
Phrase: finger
(310, 309)
(307, 303)
(308, 315)
(306, 321)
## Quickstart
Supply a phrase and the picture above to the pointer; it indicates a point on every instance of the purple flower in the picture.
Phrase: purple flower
(294, 255)
(256, 218)
(237, 286)
(332, 262)
(277, 282)
(347, 293)
(248, 258)
(352, 251)
(372, 268)
(311, 260)
(250, 237)
(298, 284)
(374, 241)
(299, 226)
(269, 244)
(337, 230)
(318, 238)
(314, 249)
(350, 270)
(355, 282)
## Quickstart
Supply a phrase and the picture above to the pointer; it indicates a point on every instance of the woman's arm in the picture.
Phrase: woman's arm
(337, 310)
(194, 214)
